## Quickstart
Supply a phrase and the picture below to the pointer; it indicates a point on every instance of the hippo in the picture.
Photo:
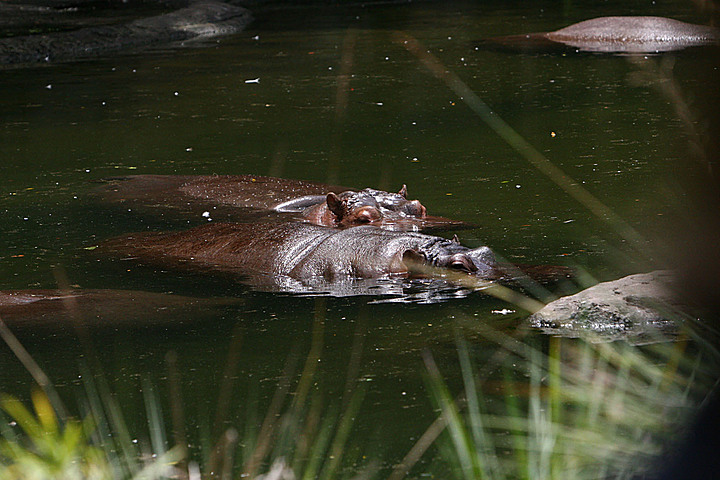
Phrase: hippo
(225, 196)
(615, 35)
(351, 208)
(306, 252)
(57, 309)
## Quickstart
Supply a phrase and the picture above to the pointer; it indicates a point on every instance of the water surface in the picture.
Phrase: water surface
(328, 94)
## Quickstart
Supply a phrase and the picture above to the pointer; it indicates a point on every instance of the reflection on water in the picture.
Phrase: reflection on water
(383, 290)
(191, 110)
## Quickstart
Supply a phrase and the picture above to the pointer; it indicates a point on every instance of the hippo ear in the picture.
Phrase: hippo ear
(335, 205)
(455, 239)
(403, 191)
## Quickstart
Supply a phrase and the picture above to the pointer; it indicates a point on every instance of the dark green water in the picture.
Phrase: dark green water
(266, 102)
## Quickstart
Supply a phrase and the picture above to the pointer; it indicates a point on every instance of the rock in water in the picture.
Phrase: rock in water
(639, 308)
(622, 35)
(205, 18)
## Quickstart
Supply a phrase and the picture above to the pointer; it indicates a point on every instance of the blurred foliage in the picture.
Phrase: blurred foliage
(48, 448)
(579, 410)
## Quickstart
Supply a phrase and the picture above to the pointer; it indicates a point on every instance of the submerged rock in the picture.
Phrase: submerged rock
(639, 308)
(635, 35)
(624, 35)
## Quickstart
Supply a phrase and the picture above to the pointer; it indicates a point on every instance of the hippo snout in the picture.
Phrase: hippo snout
(483, 259)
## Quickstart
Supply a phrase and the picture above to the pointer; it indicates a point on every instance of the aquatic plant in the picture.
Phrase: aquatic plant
(302, 436)
(581, 410)
(538, 407)
(51, 444)
(49, 448)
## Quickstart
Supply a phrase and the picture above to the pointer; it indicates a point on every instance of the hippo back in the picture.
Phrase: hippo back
(251, 197)
(294, 249)
(253, 191)
(273, 248)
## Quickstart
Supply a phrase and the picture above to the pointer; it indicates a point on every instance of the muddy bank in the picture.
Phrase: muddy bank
(205, 18)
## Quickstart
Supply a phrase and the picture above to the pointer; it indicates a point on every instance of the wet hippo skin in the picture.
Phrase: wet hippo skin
(40, 309)
(328, 205)
(303, 251)
(615, 35)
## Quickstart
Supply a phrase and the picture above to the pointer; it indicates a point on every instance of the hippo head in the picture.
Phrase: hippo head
(396, 204)
(368, 206)
(373, 206)
(451, 254)
(353, 208)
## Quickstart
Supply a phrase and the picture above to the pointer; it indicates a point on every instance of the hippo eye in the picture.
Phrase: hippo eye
(462, 263)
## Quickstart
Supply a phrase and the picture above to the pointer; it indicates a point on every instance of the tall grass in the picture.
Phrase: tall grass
(43, 445)
(575, 410)
(560, 408)
(301, 436)
(48, 447)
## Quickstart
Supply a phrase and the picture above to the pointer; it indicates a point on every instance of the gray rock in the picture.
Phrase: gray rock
(634, 35)
(621, 35)
(638, 308)
(204, 18)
